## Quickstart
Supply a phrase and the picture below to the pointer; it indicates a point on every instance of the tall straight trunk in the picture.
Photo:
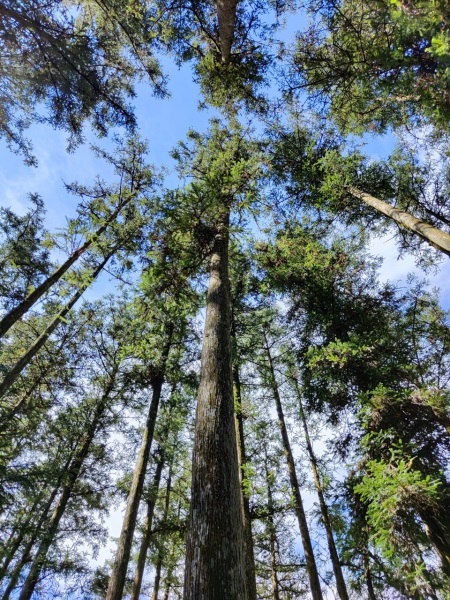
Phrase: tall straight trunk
(21, 309)
(168, 582)
(226, 16)
(122, 558)
(311, 566)
(242, 458)
(159, 562)
(435, 237)
(215, 568)
(72, 476)
(272, 536)
(337, 570)
(147, 533)
(368, 576)
(12, 375)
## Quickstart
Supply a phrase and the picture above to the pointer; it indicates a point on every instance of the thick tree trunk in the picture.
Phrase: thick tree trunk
(340, 581)
(242, 458)
(17, 312)
(12, 375)
(72, 476)
(437, 238)
(147, 533)
(215, 567)
(226, 16)
(119, 571)
(311, 566)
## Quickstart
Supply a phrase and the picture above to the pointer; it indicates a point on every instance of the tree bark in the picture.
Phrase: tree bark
(119, 571)
(72, 476)
(17, 312)
(242, 459)
(12, 375)
(215, 567)
(160, 560)
(434, 236)
(147, 533)
(311, 566)
(340, 581)
(226, 16)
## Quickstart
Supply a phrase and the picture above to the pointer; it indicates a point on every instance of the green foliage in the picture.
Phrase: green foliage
(380, 63)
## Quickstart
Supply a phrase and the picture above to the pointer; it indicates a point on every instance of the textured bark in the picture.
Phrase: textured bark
(337, 570)
(250, 573)
(311, 566)
(119, 571)
(434, 236)
(12, 375)
(226, 16)
(215, 568)
(21, 309)
(147, 533)
(72, 476)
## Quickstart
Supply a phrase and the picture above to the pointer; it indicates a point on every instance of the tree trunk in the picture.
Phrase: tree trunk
(12, 375)
(119, 571)
(147, 533)
(368, 577)
(272, 536)
(242, 458)
(17, 312)
(439, 538)
(215, 567)
(24, 559)
(311, 566)
(435, 237)
(340, 581)
(72, 476)
(226, 16)
(160, 560)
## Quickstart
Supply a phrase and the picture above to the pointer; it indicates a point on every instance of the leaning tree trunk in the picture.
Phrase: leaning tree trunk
(215, 548)
(18, 311)
(119, 571)
(72, 476)
(12, 375)
(147, 533)
(434, 236)
(26, 552)
(160, 559)
(340, 581)
(247, 524)
(311, 566)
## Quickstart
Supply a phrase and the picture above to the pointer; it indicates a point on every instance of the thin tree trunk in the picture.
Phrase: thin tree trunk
(311, 566)
(368, 577)
(434, 236)
(147, 533)
(160, 560)
(340, 581)
(12, 375)
(242, 458)
(25, 558)
(226, 16)
(119, 571)
(272, 536)
(72, 476)
(18, 311)
(215, 567)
